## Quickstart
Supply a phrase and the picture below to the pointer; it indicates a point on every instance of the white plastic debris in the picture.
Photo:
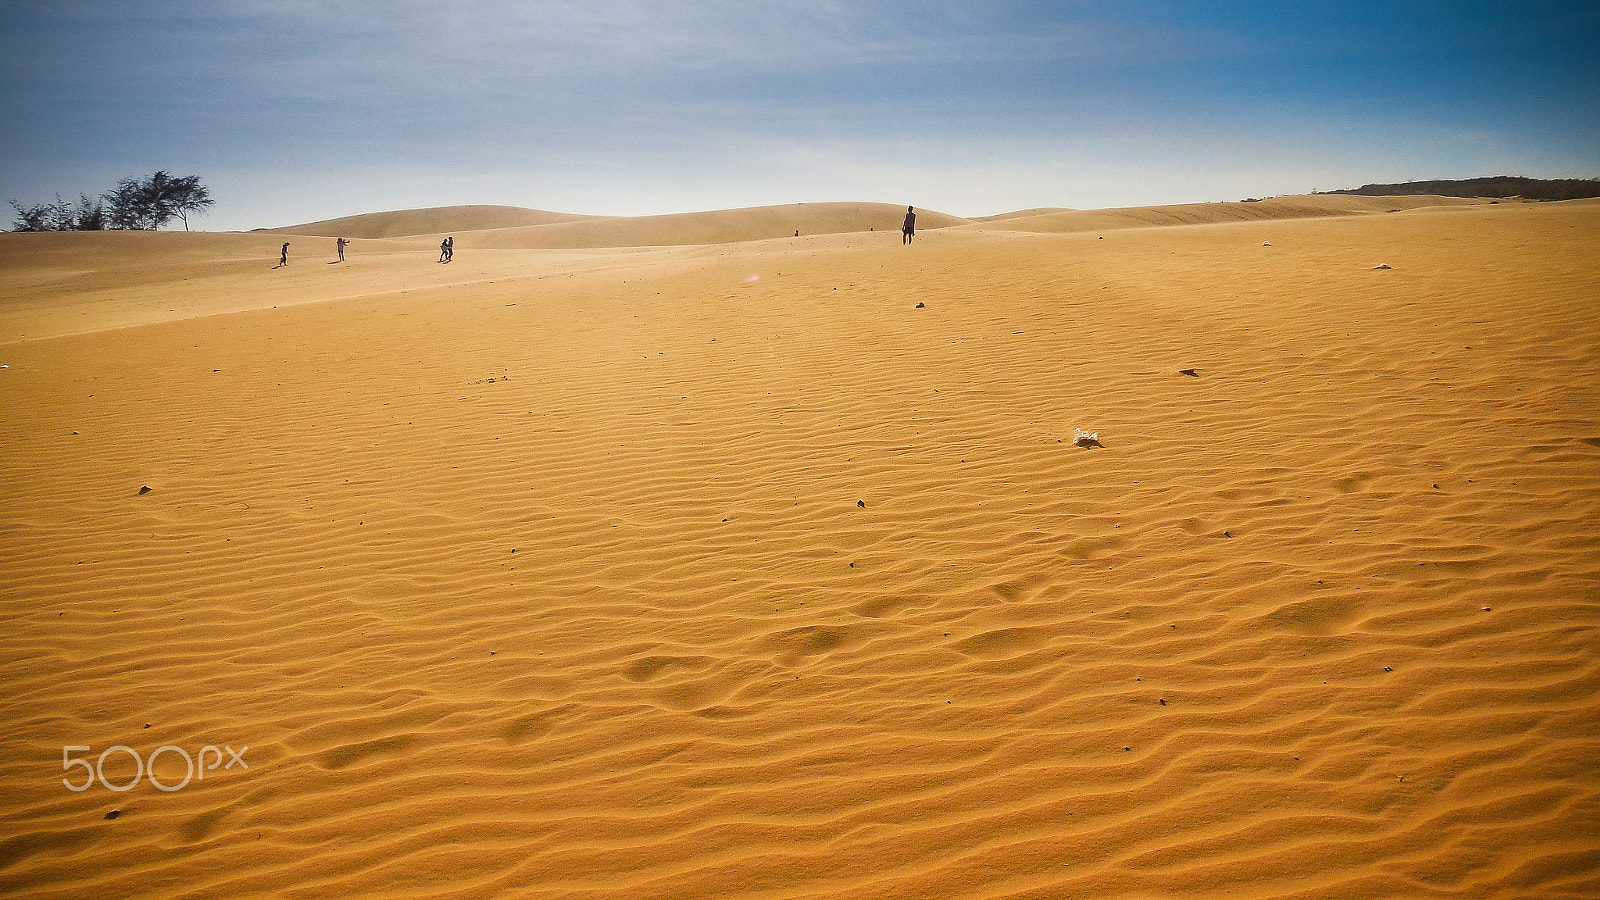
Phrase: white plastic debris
(1382, 266)
(1085, 438)
(1266, 243)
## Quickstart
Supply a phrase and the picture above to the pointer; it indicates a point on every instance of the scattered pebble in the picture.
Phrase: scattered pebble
(114, 813)
(1189, 372)
(922, 306)
(144, 489)
(861, 503)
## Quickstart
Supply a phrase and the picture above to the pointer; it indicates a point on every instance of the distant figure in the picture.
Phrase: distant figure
(283, 255)
(797, 234)
(909, 229)
(341, 243)
(447, 249)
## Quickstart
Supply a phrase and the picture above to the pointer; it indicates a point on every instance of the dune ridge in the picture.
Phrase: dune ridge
(717, 227)
(432, 220)
(1298, 207)
(726, 571)
(512, 228)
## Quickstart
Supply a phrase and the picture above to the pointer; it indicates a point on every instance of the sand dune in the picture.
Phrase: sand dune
(513, 228)
(724, 570)
(1025, 213)
(1308, 207)
(559, 231)
(435, 220)
(719, 227)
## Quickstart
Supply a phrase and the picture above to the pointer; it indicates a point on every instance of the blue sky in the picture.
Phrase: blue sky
(294, 110)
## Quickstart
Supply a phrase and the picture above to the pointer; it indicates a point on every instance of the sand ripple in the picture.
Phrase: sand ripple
(784, 588)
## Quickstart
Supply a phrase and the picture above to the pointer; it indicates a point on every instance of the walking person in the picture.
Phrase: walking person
(450, 248)
(341, 243)
(909, 229)
(283, 255)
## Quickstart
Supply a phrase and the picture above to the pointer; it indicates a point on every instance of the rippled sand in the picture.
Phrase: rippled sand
(725, 570)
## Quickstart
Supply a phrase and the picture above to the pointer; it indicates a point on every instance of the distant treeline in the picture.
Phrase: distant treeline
(143, 204)
(1496, 186)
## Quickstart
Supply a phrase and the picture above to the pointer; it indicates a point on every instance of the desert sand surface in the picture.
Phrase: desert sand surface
(689, 569)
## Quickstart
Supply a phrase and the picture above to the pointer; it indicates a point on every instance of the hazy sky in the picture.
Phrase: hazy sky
(294, 111)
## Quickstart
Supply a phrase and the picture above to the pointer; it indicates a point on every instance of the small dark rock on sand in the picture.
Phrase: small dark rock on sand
(1189, 372)
(861, 503)
(922, 306)
(144, 489)
(114, 813)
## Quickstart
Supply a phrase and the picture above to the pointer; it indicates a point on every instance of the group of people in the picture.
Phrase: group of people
(447, 247)
(447, 250)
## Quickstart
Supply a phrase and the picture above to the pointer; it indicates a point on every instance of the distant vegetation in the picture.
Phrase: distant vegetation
(136, 204)
(1496, 186)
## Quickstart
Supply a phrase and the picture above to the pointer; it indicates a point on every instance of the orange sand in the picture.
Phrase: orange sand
(721, 570)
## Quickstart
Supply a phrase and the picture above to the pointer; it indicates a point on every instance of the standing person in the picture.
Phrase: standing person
(909, 229)
(283, 255)
(341, 243)
(450, 248)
